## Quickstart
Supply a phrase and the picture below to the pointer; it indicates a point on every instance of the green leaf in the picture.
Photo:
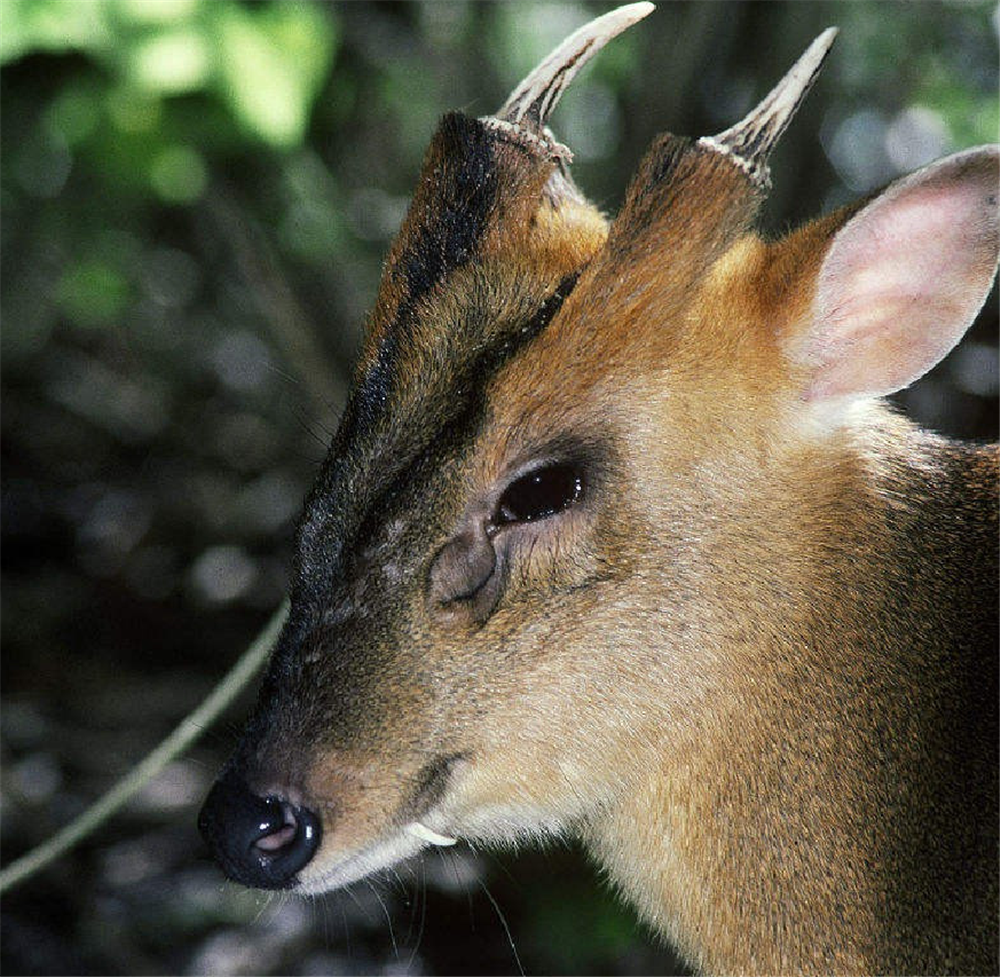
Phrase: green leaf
(178, 174)
(273, 60)
(171, 62)
(52, 25)
(157, 11)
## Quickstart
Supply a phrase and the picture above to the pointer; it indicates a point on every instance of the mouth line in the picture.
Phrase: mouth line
(396, 846)
(429, 787)
(408, 833)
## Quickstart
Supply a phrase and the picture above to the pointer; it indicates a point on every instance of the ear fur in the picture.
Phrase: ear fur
(902, 279)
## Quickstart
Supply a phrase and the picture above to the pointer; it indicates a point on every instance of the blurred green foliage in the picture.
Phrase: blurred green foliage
(265, 64)
(197, 196)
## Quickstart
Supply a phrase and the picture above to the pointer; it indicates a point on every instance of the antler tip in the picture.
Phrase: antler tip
(827, 37)
(816, 53)
(635, 11)
(749, 142)
(531, 102)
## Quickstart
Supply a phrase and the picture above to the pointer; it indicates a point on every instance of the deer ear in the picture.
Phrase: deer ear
(903, 279)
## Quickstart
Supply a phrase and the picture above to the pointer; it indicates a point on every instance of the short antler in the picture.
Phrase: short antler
(750, 141)
(532, 101)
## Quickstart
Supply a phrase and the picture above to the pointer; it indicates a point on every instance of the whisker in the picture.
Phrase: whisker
(388, 917)
(423, 916)
(503, 922)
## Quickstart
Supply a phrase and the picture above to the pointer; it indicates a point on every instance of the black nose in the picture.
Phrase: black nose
(263, 842)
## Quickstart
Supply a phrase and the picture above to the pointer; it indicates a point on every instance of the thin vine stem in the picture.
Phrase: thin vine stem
(187, 731)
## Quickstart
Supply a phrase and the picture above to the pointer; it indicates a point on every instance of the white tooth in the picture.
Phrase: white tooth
(421, 831)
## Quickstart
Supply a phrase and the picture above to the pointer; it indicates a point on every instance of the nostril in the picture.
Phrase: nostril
(277, 841)
(260, 841)
(272, 841)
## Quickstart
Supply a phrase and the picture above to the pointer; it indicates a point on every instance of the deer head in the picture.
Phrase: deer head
(601, 505)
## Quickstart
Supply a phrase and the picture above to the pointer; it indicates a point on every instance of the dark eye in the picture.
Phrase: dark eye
(540, 493)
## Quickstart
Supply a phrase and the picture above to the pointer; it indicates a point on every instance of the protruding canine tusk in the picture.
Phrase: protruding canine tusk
(749, 142)
(531, 102)
(424, 833)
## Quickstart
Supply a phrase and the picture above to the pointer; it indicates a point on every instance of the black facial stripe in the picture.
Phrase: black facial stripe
(371, 395)
(493, 358)
(466, 194)
(460, 418)
(465, 197)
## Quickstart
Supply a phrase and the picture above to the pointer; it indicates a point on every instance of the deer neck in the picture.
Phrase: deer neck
(859, 662)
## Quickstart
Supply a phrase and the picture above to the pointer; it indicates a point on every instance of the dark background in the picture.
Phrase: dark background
(196, 200)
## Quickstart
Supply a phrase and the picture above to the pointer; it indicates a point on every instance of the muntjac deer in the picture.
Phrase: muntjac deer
(617, 540)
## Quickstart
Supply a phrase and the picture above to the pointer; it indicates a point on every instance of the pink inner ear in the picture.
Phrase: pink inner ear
(903, 280)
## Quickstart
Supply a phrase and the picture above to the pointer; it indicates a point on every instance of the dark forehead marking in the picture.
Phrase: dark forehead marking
(346, 506)
(335, 525)
(460, 412)
(453, 216)
(465, 192)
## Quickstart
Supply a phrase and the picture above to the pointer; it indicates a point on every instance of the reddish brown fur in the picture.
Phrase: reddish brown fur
(754, 668)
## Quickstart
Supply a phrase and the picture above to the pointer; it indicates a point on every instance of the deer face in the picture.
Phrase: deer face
(518, 523)
(467, 570)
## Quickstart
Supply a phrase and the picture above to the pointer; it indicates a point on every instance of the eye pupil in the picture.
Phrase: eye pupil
(542, 492)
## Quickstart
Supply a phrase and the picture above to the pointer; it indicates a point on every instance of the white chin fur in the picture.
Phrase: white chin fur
(381, 855)
(421, 831)
(496, 825)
